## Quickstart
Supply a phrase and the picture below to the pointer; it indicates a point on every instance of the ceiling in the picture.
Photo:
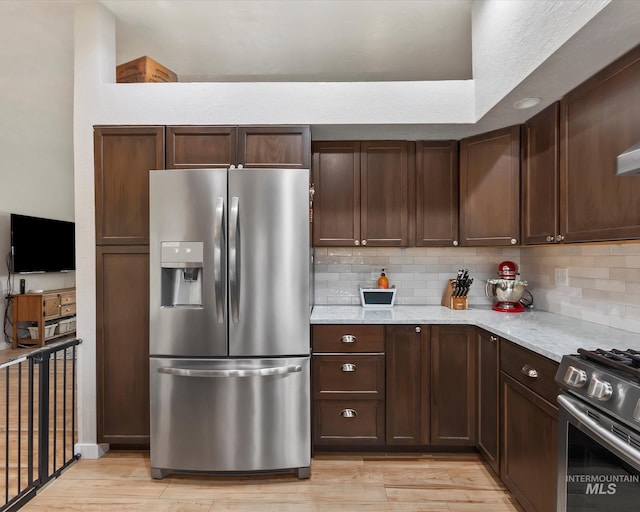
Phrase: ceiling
(298, 40)
(367, 41)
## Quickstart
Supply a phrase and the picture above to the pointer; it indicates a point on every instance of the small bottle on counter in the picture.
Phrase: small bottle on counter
(383, 281)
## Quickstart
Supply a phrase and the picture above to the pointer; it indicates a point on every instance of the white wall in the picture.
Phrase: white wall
(36, 109)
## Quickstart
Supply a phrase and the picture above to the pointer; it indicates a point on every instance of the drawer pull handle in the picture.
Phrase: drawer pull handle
(348, 367)
(530, 372)
(348, 413)
(349, 338)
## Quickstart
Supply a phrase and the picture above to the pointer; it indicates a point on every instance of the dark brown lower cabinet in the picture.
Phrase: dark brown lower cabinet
(407, 354)
(528, 459)
(348, 422)
(453, 385)
(348, 368)
(488, 393)
(122, 336)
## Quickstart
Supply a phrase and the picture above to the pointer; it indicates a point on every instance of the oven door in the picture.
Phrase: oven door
(598, 460)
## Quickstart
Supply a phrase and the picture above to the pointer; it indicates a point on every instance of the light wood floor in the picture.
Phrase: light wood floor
(121, 481)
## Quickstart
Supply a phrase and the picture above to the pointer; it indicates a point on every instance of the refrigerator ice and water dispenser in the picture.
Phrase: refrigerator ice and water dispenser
(181, 264)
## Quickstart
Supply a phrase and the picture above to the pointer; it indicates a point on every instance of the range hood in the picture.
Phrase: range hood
(628, 162)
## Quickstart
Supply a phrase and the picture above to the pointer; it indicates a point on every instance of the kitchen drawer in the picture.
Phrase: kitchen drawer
(348, 422)
(361, 376)
(67, 298)
(516, 361)
(69, 309)
(348, 338)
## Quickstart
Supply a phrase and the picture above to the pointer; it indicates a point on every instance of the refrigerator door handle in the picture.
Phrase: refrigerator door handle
(253, 372)
(218, 236)
(234, 259)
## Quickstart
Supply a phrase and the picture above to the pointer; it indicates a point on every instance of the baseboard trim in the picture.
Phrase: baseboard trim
(91, 450)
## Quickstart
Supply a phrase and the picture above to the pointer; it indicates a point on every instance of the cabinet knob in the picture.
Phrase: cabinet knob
(529, 371)
(418, 329)
(559, 238)
(514, 241)
(348, 413)
(348, 367)
(494, 338)
(357, 242)
(550, 238)
(455, 243)
(348, 338)
(240, 166)
(364, 242)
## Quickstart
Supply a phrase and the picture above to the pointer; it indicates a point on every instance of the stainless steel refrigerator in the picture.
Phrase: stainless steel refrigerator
(229, 321)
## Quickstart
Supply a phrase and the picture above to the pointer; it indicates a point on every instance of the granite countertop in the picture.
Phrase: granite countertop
(548, 334)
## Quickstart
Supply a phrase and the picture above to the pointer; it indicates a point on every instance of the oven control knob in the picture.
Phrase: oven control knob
(600, 389)
(575, 377)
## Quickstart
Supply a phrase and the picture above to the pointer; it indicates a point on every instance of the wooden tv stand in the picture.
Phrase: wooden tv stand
(42, 309)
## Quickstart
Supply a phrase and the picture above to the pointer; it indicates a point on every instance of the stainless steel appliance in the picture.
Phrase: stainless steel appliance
(599, 431)
(229, 321)
(507, 290)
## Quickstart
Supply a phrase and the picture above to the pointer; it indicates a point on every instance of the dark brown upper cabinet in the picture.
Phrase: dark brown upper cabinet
(274, 146)
(599, 120)
(123, 156)
(436, 194)
(361, 194)
(490, 188)
(336, 205)
(541, 177)
(192, 147)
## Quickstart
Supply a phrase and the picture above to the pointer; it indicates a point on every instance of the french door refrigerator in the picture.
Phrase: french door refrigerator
(229, 321)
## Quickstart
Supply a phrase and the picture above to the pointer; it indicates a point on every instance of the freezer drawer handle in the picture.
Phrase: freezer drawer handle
(253, 372)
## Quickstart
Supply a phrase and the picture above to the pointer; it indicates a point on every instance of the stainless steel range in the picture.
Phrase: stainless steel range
(599, 431)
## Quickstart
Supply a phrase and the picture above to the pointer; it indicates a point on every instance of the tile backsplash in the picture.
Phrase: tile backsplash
(603, 280)
(419, 273)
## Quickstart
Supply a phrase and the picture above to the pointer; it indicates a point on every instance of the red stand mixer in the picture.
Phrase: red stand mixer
(507, 290)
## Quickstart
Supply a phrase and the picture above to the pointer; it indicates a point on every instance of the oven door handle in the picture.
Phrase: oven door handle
(604, 436)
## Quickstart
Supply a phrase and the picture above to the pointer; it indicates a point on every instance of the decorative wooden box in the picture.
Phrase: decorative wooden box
(143, 69)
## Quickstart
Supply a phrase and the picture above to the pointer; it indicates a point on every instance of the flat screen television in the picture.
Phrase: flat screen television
(42, 245)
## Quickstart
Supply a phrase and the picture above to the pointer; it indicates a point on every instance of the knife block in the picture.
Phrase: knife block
(452, 302)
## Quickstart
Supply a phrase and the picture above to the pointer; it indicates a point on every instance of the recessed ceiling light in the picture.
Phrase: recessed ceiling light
(526, 103)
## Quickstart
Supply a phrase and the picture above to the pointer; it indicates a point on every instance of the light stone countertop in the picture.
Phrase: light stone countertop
(548, 334)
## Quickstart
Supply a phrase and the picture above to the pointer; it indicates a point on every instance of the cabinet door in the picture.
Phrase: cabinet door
(122, 336)
(192, 147)
(51, 305)
(123, 157)
(384, 194)
(453, 382)
(436, 193)
(407, 376)
(529, 433)
(599, 120)
(489, 399)
(540, 177)
(274, 146)
(336, 205)
(490, 188)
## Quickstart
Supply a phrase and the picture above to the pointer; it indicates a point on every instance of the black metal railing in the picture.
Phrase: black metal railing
(39, 420)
